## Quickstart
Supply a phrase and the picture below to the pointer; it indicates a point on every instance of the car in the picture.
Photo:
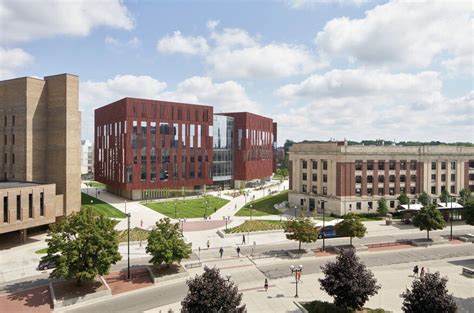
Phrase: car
(46, 264)
(328, 232)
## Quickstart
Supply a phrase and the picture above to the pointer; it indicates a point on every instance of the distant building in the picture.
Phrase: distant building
(40, 127)
(87, 157)
(145, 148)
(353, 178)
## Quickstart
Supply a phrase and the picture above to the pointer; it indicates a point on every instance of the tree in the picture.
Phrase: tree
(469, 212)
(351, 226)
(166, 244)
(429, 218)
(465, 195)
(403, 199)
(301, 230)
(86, 243)
(210, 292)
(348, 281)
(424, 199)
(428, 295)
(443, 197)
(284, 172)
(382, 208)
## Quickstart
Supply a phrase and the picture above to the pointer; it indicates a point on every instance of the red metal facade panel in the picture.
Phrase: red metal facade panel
(253, 146)
(130, 121)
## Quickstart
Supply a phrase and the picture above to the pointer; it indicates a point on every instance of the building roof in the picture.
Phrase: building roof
(441, 206)
(454, 205)
(412, 207)
(18, 184)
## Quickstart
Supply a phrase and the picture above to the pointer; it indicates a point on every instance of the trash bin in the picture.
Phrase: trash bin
(388, 219)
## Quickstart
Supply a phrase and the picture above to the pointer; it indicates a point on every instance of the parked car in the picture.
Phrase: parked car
(328, 232)
(48, 263)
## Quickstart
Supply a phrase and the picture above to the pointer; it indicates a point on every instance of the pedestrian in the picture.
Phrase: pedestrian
(141, 223)
(243, 239)
(298, 276)
(238, 252)
(99, 192)
(215, 209)
(415, 271)
(266, 285)
(140, 244)
(208, 244)
(221, 252)
(422, 273)
(235, 207)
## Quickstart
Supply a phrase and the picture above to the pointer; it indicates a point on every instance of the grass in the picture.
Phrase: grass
(278, 177)
(101, 207)
(264, 206)
(96, 184)
(188, 208)
(136, 234)
(251, 226)
(42, 251)
(326, 307)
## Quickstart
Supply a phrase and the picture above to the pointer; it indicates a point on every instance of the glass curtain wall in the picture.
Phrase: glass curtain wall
(223, 155)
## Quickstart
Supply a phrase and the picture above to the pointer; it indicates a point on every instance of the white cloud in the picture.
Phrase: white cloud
(211, 24)
(303, 4)
(115, 43)
(11, 60)
(233, 38)
(178, 43)
(366, 104)
(28, 20)
(401, 33)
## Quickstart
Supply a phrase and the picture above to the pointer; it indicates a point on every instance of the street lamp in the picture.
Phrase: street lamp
(205, 214)
(92, 204)
(251, 212)
(125, 202)
(296, 270)
(182, 221)
(146, 197)
(323, 202)
(175, 204)
(228, 276)
(226, 219)
(128, 246)
(450, 215)
(296, 208)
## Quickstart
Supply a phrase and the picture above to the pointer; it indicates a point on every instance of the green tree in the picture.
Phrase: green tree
(382, 208)
(351, 226)
(284, 173)
(403, 199)
(469, 212)
(348, 280)
(424, 199)
(429, 218)
(86, 243)
(428, 295)
(465, 195)
(166, 244)
(443, 197)
(301, 230)
(210, 292)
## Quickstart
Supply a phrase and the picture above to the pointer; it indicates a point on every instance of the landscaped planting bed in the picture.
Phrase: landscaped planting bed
(188, 208)
(264, 206)
(252, 226)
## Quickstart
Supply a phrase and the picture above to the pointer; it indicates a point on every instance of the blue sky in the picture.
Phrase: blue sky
(335, 69)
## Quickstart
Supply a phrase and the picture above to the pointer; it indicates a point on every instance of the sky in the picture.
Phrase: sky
(342, 69)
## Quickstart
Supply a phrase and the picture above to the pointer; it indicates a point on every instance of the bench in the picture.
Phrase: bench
(192, 265)
(468, 272)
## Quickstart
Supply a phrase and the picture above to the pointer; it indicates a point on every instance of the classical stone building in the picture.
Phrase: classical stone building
(350, 178)
(40, 129)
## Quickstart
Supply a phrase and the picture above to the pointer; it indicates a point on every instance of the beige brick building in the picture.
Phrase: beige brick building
(354, 178)
(40, 129)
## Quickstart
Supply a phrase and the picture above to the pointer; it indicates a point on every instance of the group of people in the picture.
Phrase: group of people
(422, 272)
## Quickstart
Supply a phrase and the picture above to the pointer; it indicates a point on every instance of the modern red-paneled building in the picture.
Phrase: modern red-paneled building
(145, 148)
(254, 139)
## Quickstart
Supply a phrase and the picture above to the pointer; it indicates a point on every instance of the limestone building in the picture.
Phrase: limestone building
(40, 161)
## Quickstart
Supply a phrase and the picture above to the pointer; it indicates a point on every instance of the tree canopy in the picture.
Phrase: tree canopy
(348, 281)
(351, 226)
(469, 212)
(428, 294)
(465, 195)
(86, 243)
(429, 218)
(210, 292)
(301, 230)
(166, 244)
(424, 198)
(382, 208)
(443, 197)
(403, 199)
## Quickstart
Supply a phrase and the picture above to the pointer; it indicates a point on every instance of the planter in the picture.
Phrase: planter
(428, 242)
(222, 234)
(163, 273)
(297, 254)
(356, 247)
(61, 298)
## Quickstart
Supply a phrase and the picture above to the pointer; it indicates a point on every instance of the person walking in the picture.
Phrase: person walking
(298, 276)
(266, 285)
(235, 207)
(243, 239)
(208, 244)
(221, 252)
(141, 223)
(422, 273)
(238, 252)
(415, 271)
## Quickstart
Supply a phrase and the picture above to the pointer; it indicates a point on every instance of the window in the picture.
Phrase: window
(453, 165)
(433, 190)
(370, 165)
(13, 139)
(325, 178)
(18, 207)
(413, 165)
(391, 165)
(381, 191)
(381, 178)
(392, 204)
(358, 179)
(391, 191)
(403, 165)
(304, 164)
(30, 205)
(433, 165)
(453, 189)
(305, 176)
(402, 178)
(5, 139)
(301, 201)
(369, 192)
(433, 177)
(42, 203)
(381, 165)
(315, 165)
(370, 205)
(315, 177)
(413, 178)
(13, 120)
(471, 163)
(358, 165)
(314, 189)
(325, 190)
(325, 165)
(5, 158)
(304, 188)
(443, 177)
(453, 177)
(443, 188)
(412, 190)
(443, 165)
(402, 190)
(13, 158)
(391, 178)
(357, 192)
(359, 205)
(370, 179)
(5, 206)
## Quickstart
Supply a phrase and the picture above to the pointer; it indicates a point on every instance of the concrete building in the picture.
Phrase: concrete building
(40, 127)
(87, 157)
(353, 178)
(151, 149)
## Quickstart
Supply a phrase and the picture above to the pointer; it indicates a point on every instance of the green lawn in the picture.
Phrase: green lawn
(136, 234)
(95, 184)
(326, 218)
(264, 206)
(278, 177)
(256, 225)
(100, 206)
(42, 251)
(188, 208)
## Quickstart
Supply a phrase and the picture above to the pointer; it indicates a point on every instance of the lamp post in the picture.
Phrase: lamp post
(450, 216)
(146, 197)
(323, 205)
(182, 221)
(296, 208)
(228, 276)
(125, 201)
(128, 246)
(205, 214)
(175, 204)
(296, 270)
(251, 212)
(226, 219)
(87, 188)
(92, 204)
